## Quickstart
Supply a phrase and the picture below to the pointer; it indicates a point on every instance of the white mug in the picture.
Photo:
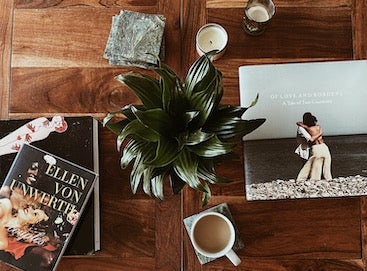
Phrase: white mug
(213, 235)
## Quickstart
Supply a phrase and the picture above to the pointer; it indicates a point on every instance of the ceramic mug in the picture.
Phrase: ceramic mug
(213, 235)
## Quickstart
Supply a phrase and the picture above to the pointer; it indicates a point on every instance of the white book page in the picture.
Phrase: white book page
(335, 92)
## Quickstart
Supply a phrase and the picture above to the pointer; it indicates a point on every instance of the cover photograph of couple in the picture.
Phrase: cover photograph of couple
(314, 141)
(312, 164)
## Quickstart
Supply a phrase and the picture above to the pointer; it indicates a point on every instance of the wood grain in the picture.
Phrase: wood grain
(106, 264)
(52, 38)
(51, 55)
(310, 33)
(360, 36)
(128, 4)
(193, 17)
(288, 265)
(299, 32)
(168, 216)
(364, 229)
(280, 3)
(5, 49)
(54, 88)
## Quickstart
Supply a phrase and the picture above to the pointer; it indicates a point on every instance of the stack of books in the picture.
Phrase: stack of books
(49, 196)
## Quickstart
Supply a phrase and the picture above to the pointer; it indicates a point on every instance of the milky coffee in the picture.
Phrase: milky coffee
(212, 234)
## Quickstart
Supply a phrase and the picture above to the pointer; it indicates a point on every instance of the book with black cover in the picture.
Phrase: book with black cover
(79, 144)
(41, 200)
(327, 161)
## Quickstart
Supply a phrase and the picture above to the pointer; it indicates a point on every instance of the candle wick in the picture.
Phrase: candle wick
(211, 42)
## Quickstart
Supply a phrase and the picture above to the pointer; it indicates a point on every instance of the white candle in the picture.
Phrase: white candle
(211, 37)
(258, 14)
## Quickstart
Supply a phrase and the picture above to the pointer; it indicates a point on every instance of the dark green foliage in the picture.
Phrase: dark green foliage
(179, 130)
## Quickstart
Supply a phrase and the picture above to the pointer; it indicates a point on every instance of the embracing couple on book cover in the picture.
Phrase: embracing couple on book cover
(324, 102)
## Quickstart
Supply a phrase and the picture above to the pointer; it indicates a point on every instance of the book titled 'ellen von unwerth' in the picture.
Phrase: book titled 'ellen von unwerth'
(41, 201)
(72, 138)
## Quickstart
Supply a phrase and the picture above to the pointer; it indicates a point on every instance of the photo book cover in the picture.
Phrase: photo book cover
(314, 141)
(41, 200)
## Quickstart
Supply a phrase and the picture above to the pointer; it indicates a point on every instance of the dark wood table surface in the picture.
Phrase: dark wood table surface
(51, 61)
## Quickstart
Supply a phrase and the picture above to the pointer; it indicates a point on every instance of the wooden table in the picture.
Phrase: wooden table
(51, 56)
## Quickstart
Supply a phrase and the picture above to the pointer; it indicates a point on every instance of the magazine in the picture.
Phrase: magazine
(41, 200)
(314, 141)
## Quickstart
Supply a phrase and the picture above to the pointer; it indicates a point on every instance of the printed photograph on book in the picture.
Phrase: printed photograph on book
(41, 201)
(314, 141)
(74, 138)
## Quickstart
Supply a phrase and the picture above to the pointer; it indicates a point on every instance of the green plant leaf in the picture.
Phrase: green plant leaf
(127, 110)
(117, 127)
(180, 131)
(252, 125)
(254, 101)
(135, 129)
(156, 119)
(108, 118)
(138, 169)
(177, 184)
(157, 186)
(227, 124)
(173, 97)
(129, 153)
(226, 118)
(207, 96)
(177, 104)
(166, 153)
(145, 87)
(147, 177)
(228, 111)
(198, 137)
(212, 74)
(189, 117)
(136, 173)
(204, 101)
(185, 167)
(206, 195)
(170, 84)
(196, 73)
(212, 148)
(234, 129)
(207, 172)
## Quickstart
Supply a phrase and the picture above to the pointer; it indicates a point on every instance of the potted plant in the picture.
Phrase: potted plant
(180, 129)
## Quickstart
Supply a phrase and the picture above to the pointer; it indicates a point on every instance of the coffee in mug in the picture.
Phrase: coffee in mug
(213, 235)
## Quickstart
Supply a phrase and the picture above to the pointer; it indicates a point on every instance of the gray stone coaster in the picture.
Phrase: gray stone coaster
(134, 39)
(223, 209)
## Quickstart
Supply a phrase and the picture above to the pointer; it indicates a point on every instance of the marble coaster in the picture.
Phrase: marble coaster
(135, 38)
(223, 209)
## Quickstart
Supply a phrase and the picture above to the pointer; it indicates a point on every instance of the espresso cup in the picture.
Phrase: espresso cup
(213, 235)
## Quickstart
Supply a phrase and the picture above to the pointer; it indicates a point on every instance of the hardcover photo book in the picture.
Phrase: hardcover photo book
(313, 143)
(41, 201)
(72, 138)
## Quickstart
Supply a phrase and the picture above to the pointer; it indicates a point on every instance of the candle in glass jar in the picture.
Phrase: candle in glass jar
(211, 37)
(258, 14)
